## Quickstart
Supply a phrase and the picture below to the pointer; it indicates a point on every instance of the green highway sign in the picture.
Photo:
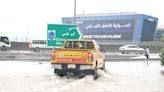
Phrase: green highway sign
(58, 33)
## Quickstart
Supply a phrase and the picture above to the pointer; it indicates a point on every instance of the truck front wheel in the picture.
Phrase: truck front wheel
(3, 48)
(95, 73)
(37, 49)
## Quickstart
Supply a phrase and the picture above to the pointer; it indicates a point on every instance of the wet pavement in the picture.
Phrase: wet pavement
(134, 76)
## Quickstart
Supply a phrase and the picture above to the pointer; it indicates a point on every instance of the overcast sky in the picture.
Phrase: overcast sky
(29, 18)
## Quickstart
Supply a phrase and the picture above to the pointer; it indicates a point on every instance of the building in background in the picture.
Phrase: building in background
(116, 26)
(158, 34)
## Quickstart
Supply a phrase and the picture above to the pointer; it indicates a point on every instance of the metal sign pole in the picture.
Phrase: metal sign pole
(75, 12)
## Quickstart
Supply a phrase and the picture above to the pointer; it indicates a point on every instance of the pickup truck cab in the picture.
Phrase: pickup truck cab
(79, 57)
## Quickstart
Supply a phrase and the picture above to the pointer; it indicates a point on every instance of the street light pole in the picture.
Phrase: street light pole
(27, 35)
(75, 12)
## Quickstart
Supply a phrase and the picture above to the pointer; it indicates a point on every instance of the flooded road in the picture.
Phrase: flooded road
(137, 76)
(130, 76)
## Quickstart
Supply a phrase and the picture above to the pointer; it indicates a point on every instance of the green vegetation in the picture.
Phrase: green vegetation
(162, 52)
(162, 38)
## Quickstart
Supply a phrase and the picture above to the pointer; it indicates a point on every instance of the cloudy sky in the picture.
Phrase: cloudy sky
(28, 18)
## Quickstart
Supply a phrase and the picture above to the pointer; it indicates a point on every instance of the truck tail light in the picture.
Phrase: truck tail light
(90, 57)
(52, 55)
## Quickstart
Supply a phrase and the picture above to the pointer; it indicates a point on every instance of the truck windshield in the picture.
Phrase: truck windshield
(79, 45)
(75, 44)
(4, 39)
(39, 41)
(68, 44)
(89, 45)
(82, 45)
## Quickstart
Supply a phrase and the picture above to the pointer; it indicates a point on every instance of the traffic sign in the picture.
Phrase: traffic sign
(58, 33)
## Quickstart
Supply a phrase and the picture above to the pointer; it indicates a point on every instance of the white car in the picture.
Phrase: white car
(131, 48)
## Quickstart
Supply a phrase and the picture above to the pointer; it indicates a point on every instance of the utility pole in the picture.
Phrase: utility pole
(27, 35)
(75, 12)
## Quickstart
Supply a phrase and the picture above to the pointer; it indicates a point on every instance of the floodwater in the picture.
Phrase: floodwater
(130, 76)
